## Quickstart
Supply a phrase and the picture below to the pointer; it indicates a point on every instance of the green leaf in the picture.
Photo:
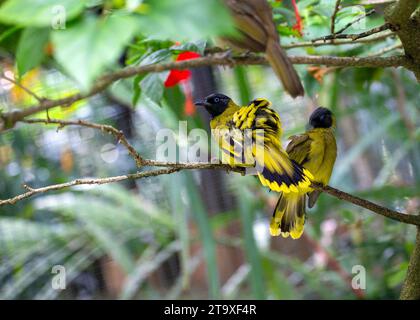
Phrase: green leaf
(287, 31)
(136, 89)
(85, 49)
(186, 19)
(155, 57)
(8, 32)
(39, 13)
(152, 87)
(30, 50)
(197, 46)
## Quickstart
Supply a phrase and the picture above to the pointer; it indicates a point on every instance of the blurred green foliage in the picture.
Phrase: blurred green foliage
(155, 224)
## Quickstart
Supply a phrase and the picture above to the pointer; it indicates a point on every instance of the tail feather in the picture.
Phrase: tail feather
(290, 178)
(283, 68)
(289, 216)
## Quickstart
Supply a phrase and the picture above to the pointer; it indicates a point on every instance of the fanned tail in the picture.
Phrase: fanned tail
(289, 216)
(285, 176)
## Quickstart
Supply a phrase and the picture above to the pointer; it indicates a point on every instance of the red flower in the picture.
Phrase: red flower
(176, 76)
(183, 77)
(298, 25)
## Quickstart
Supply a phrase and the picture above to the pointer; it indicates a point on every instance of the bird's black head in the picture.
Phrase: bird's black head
(321, 118)
(215, 103)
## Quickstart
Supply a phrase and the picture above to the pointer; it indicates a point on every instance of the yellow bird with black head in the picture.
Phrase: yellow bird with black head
(229, 124)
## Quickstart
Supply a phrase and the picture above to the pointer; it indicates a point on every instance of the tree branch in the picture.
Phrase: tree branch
(28, 91)
(102, 127)
(401, 17)
(34, 191)
(348, 25)
(319, 42)
(10, 118)
(356, 36)
(392, 214)
(336, 9)
(174, 167)
(411, 286)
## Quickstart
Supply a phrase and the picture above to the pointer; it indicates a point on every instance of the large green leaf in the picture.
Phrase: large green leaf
(30, 50)
(85, 49)
(186, 19)
(152, 87)
(39, 13)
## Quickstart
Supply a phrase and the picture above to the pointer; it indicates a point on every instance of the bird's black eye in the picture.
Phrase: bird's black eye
(216, 100)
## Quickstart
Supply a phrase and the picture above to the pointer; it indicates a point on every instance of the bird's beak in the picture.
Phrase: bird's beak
(202, 103)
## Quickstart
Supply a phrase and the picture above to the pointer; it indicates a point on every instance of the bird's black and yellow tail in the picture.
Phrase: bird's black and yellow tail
(289, 216)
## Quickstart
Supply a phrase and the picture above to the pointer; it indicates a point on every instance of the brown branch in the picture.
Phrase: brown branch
(401, 17)
(386, 50)
(119, 135)
(318, 42)
(174, 167)
(411, 287)
(373, 2)
(321, 42)
(102, 127)
(334, 15)
(383, 211)
(34, 191)
(348, 25)
(171, 167)
(356, 36)
(21, 86)
(10, 118)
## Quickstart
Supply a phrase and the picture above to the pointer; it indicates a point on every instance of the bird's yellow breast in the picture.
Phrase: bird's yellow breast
(322, 154)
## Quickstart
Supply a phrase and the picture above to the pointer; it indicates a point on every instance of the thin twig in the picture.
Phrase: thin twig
(348, 25)
(334, 15)
(372, 2)
(386, 50)
(102, 127)
(320, 42)
(119, 135)
(86, 181)
(356, 36)
(28, 91)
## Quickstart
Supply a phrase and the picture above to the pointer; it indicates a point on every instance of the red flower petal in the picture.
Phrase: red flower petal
(176, 76)
(187, 55)
(189, 107)
(298, 25)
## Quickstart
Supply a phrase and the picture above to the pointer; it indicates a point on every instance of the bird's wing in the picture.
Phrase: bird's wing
(301, 150)
(277, 171)
(299, 147)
